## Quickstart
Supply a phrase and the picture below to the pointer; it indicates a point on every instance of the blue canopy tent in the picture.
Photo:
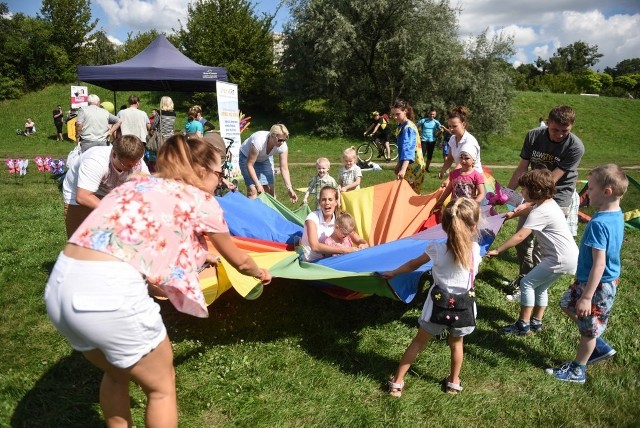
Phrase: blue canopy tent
(159, 67)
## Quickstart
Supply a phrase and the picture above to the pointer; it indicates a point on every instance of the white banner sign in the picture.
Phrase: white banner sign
(229, 117)
(79, 96)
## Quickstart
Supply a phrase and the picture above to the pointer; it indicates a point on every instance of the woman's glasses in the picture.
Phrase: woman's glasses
(281, 140)
(220, 174)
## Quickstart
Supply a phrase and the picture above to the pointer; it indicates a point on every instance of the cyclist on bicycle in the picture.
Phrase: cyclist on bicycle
(380, 129)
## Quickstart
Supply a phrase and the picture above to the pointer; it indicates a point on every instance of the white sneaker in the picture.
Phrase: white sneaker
(515, 297)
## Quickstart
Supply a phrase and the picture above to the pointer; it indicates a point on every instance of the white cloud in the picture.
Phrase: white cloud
(540, 27)
(141, 16)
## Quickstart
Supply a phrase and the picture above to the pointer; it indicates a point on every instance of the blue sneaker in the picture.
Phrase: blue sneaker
(602, 351)
(520, 328)
(569, 372)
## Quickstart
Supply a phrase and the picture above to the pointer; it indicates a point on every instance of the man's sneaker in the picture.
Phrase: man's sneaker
(380, 154)
(520, 328)
(568, 372)
(602, 351)
(535, 325)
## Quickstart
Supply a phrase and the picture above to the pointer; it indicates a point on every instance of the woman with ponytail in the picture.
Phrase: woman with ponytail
(410, 166)
(147, 234)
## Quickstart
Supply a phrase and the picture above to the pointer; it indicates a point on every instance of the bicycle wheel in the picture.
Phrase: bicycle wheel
(393, 151)
(365, 152)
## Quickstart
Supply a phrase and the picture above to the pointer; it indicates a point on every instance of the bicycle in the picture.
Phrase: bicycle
(365, 151)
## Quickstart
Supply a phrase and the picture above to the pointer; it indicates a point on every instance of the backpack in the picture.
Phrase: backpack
(385, 121)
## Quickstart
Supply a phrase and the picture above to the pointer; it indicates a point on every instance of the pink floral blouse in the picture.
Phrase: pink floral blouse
(157, 226)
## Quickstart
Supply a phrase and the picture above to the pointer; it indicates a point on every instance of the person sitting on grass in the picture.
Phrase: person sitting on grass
(559, 252)
(29, 127)
(320, 224)
(455, 265)
(589, 299)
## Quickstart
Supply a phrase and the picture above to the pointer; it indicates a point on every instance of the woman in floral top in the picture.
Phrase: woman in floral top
(146, 232)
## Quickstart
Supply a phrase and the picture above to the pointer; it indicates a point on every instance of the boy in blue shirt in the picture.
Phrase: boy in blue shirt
(589, 299)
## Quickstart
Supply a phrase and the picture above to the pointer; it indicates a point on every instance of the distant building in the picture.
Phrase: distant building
(278, 46)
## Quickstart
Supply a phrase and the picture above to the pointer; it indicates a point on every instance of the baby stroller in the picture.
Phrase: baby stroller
(227, 167)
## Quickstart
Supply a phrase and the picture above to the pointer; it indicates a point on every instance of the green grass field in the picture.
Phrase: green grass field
(297, 357)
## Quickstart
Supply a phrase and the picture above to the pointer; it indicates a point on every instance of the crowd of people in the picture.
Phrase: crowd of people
(133, 235)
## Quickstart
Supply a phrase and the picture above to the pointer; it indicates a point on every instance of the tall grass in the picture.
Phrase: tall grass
(297, 357)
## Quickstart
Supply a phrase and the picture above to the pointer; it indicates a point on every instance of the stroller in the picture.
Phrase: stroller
(227, 167)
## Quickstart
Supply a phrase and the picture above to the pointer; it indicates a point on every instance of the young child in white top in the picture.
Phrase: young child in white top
(546, 221)
(320, 180)
(455, 264)
(350, 173)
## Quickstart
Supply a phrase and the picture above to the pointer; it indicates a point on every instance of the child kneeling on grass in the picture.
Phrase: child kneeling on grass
(546, 221)
(455, 264)
(589, 299)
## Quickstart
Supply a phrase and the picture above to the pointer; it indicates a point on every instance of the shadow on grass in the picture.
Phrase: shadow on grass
(64, 395)
(326, 328)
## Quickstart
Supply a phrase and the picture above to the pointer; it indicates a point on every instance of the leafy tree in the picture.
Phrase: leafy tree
(626, 66)
(28, 60)
(72, 25)
(360, 55)
(589, 81)
(100, 51)
(524, 76)
(557, 83)
(228, 33)
(573, 58)
(606, 80)
(625, 82)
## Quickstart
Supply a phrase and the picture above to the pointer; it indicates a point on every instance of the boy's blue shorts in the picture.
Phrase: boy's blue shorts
(601, 303)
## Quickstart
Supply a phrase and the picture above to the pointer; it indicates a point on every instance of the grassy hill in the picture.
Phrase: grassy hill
(609, 127)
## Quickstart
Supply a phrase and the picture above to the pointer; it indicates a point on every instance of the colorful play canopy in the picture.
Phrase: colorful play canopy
(395, 221)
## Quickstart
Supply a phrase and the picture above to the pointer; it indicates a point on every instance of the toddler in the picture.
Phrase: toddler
(350, 173)
(320, 180)
(465, 181)
(341, 236)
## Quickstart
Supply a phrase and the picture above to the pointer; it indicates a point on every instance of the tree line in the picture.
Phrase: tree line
(340, 59)
(569, 70)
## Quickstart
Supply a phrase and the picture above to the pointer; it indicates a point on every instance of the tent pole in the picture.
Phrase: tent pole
(114, 102)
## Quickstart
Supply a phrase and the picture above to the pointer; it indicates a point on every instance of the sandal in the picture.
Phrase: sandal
(450, 387)
(395, 389)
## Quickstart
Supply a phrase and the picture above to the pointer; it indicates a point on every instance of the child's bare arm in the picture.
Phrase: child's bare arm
(358, 240)
(583, 306)
(409, 266)
(517, 238)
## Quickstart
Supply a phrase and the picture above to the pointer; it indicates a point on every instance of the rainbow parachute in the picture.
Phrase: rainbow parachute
(395, 221)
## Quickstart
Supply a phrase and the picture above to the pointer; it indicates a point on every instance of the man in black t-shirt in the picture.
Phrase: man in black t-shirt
(58, 119)
(558, 150)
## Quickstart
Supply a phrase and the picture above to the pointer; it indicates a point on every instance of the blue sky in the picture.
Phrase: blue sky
(538, 28)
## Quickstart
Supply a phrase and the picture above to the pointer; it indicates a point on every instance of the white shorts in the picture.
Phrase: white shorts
(104, 305)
